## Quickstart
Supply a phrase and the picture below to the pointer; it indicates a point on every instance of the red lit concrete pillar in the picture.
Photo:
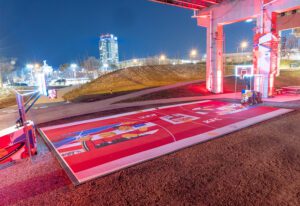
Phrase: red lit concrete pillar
(208, 56)
(214, 61)
(266, 53)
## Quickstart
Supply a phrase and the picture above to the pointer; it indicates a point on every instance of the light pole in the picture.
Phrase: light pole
(162, 58)
(244, 45)
(135, 62)
(193, 54)
(74, 67)
(30, 67)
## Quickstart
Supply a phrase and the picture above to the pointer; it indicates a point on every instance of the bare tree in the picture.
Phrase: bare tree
(292, 42)
(6, 67)
(63, 67)
(91, 64)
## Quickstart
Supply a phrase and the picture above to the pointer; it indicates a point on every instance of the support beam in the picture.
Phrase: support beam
(266, 53)
(231, 11)
(288, 20)
(200, 5)
(214, 62)
(210, 1)
(217, 66)
(184, 5)
(189, 4)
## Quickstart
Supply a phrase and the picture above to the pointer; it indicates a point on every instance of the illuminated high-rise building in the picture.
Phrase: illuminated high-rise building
(109, 52)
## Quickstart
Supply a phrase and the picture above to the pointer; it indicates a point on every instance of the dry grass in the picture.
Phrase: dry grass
(137, 78)
(288, 78)
(7, 98)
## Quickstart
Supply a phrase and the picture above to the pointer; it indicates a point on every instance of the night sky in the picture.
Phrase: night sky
(63, 31)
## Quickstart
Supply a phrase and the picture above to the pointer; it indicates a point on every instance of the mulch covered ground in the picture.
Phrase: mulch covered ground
(259, 165)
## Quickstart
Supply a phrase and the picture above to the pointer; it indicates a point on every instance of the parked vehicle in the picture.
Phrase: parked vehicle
(69, 81)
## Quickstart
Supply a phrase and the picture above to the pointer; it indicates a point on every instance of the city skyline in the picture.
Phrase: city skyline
(109, 51)
(65, 31)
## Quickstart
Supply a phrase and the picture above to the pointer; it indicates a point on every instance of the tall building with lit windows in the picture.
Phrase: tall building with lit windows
(109, 52)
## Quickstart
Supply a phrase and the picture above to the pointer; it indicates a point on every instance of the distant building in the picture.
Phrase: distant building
(154, 61)
(235, 58)
(109, 52)
(238, 58)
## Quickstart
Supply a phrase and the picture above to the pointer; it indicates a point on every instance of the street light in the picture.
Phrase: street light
(162, 57)
(36, 66)
(74, 66)
(193, 53)
(29, 66)
(244, 44)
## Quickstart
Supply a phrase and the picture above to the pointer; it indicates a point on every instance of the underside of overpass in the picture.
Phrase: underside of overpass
(271, 17)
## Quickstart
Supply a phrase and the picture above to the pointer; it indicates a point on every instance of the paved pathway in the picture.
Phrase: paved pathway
(45, 111)
(60, 111)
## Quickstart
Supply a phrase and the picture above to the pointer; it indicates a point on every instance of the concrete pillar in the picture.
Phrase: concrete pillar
(208, 56)
(266, 54)
(214, 61)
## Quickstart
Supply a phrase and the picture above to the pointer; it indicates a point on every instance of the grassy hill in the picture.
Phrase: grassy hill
(7, 98)
(126, 80)
(137, 78)
(288, 78)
